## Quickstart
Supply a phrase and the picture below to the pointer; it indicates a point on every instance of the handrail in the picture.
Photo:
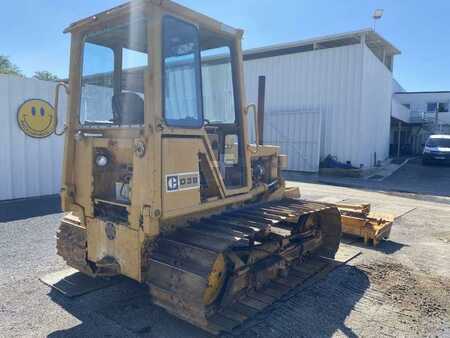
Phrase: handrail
(425, 117)
(58, 86)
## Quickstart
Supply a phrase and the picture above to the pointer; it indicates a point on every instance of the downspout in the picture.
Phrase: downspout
(361, 92)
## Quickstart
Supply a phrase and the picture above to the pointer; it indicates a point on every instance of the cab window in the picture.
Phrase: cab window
(182, 78)
(217, 85)
(112, 85)
(221, 107)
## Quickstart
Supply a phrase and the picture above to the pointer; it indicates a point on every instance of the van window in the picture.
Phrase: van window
(438, 142)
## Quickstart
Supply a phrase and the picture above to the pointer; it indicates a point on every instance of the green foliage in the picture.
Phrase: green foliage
(7, 67)
(46, 76)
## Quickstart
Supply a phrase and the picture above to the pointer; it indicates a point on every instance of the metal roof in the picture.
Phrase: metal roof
(426, 92)
(373, 40)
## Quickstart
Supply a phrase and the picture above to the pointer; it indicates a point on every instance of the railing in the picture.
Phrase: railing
(422, 117)
(428, 121)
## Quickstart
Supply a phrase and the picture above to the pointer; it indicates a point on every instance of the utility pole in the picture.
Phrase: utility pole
(436, 122)
(377, 15)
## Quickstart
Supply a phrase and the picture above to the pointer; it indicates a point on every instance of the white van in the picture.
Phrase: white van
(437, 149)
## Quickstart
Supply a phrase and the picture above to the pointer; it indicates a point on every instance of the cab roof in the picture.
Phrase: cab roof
(140, 5)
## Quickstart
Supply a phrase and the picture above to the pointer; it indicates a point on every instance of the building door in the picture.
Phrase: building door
(298, 133)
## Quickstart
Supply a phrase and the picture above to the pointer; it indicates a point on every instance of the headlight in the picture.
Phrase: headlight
(427, 151)
(101, 160)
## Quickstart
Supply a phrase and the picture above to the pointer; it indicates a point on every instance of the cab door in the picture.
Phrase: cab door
(201, 92)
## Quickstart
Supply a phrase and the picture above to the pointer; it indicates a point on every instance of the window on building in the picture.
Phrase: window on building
(443, 107)
(431, 106)
(407, 105)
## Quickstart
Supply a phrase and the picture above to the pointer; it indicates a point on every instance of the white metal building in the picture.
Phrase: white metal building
(342, 83)
(416, 115)
(28, 166)
(431, 106)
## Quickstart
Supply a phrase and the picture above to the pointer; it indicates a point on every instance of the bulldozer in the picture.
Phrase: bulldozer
(161, 183)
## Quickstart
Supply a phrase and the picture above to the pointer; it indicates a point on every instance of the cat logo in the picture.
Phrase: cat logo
(172, 183)
(36, 118)
(184, 181)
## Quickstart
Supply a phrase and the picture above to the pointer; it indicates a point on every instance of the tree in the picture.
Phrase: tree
(7, 67)
(45, 76)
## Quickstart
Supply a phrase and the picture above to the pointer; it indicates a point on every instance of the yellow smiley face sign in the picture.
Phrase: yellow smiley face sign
(36, 118)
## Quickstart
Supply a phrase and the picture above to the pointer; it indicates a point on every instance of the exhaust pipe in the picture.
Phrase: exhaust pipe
(261, 107)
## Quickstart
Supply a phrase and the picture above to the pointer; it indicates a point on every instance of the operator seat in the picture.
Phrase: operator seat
(128, 108)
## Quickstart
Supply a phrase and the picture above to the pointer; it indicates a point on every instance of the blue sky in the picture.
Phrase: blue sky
(31, 30)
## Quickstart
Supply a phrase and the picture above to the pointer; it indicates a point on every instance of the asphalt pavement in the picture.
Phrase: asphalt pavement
(352, 301)
(414, 177)
(427, 182)
(401, 288)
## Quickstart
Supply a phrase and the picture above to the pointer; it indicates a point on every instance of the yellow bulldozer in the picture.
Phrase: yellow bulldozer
(160, 181)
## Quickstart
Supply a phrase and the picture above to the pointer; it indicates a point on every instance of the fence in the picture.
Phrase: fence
(28, 166)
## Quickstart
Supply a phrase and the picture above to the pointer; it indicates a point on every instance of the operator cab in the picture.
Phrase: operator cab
(184, 85)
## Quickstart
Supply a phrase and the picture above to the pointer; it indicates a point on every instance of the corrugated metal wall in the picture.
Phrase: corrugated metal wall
(302, 145)
(298, 133)
(375, 110)
(28, 166)
(329, 81)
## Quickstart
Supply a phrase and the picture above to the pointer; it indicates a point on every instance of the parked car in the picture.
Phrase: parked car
(437, 149)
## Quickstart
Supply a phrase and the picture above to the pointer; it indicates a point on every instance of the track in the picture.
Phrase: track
(71, 244)
(222, 270)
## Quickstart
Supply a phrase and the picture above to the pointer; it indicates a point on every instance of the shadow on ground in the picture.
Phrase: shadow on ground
(387, 247)
(319, 310)
(14, 210)
(125, 310)
(122, 310)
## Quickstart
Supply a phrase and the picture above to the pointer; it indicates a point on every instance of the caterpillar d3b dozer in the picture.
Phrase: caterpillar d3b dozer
(160, 182)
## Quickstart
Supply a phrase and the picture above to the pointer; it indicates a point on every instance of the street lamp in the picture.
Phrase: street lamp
(377, 14)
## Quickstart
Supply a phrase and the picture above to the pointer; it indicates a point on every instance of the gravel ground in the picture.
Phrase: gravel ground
(400, 289)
